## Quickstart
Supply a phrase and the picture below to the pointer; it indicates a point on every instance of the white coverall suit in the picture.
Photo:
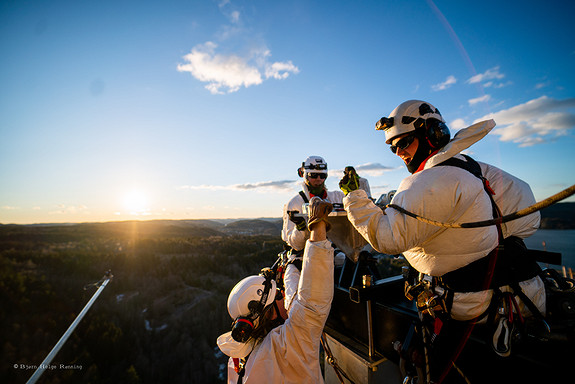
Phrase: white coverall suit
(296, 239)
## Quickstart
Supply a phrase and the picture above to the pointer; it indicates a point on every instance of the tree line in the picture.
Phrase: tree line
(156, 321)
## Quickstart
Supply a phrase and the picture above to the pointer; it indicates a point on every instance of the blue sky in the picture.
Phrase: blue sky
(119, 110)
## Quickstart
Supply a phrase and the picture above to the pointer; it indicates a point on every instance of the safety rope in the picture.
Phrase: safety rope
(427, 378)
(333, 362)
(461, 373)
(500, 220)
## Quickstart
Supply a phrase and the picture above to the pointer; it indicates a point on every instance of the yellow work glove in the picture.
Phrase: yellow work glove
(350, 182)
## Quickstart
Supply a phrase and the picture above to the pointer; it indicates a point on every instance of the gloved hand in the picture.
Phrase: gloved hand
(318, 211)
(299, 221)
(350, 182)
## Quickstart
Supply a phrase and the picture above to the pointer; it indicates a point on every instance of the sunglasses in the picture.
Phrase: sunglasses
(316, 175)
(402, 143)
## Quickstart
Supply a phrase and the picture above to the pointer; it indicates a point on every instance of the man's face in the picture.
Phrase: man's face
(314, 178)
(405, 146)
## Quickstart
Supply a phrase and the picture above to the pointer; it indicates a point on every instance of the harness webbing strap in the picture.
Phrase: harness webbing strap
(466, 275)
(304, 197)
(298, 263)
(241, 368)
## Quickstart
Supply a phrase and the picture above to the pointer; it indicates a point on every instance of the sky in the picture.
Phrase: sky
(204, 109)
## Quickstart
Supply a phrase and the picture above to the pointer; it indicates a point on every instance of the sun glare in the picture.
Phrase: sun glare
(136, 202)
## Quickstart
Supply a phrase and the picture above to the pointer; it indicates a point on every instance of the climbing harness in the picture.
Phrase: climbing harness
(101, 284)
(240, 367)
(434, 310)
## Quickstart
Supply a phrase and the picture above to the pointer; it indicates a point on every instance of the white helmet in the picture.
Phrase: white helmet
(407, 117)
(246, 296)
(313, 164)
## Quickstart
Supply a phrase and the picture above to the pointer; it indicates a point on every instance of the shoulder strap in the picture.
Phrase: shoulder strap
(468, 164)
(473, 167)
(304, 197)
(298, 263)
(242, 369)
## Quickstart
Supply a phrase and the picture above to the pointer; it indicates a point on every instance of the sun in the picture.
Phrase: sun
(136, 202)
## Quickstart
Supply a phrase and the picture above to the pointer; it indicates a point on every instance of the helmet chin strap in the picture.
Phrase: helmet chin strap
(423, 151)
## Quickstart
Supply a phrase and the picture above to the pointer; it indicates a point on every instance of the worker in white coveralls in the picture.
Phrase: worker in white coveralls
(294, 231)
(266, 345)
(314, 173)
(454, 263)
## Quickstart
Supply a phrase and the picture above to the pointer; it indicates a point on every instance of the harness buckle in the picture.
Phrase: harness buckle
(430, 304)
(413, 291)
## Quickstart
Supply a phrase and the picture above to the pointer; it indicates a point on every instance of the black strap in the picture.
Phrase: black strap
(465, 279)
(510, 259)
(468, 164)
(511, 266)
(242, 371)
(298, 263)
(474, 168)
(304, 197)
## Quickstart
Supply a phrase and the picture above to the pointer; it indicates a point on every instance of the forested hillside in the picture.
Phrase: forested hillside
(156, 322)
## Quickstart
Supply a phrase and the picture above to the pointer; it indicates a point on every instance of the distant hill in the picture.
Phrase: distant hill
(151, 228)
(74, 232)
(254, 227)
(558, 216)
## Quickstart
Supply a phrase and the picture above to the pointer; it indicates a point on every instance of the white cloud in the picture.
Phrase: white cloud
(228, 73)
(63, 209)
(280, 70)
(229, 11)
(368, 169)
(542, 85)
(536, 121)
(235, 16)
(481, 99)
(457, 124)
(501, 85)
(446, 84)
(490, 74)
(205, 187)
(281, 186)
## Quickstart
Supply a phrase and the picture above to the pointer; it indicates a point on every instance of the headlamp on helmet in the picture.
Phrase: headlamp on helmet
(315, 164)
